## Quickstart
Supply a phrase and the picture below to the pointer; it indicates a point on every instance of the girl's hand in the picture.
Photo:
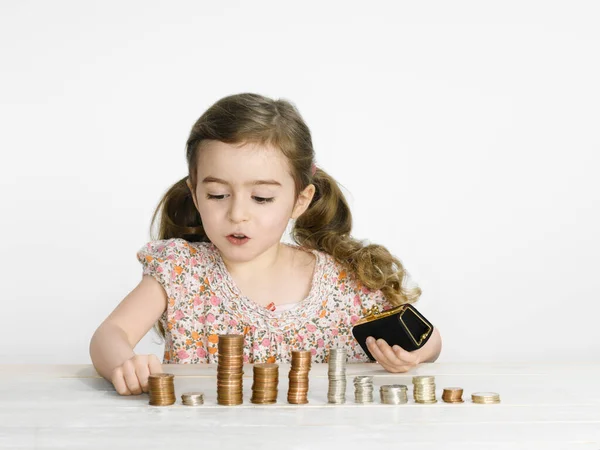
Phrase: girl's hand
(393, 359)
(132, 376)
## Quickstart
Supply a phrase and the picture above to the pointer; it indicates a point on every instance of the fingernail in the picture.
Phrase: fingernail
(370, 340)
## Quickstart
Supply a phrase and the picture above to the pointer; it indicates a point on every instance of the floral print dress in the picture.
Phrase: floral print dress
(204, 302)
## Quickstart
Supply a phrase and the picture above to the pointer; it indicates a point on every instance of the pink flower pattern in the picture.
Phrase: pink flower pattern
(204, 301)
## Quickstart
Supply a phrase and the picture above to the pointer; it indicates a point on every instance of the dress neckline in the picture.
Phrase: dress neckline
(245, 304)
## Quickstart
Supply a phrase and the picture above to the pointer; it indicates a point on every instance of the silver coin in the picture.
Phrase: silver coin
(393, 394)
(363, 389)
(337, 376)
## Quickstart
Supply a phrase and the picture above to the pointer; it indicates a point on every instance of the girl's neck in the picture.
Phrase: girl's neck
(266, 265)
(285, 279)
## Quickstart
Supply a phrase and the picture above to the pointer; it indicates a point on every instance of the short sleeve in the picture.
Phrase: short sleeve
(166, 261)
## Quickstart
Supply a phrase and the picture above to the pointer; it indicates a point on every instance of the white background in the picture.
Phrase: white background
(465, 134)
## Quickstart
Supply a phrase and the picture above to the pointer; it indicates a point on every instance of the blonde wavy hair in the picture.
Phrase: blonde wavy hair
(325, 225)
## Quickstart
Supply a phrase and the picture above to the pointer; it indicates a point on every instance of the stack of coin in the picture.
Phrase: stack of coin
(452, 395)
(264, 388)
(363, 389)
(337, 376)
(298, 384)
(192, 398)
(393, 394)
(230, 364)
(161, 389)
(485, 397)
(424, 389)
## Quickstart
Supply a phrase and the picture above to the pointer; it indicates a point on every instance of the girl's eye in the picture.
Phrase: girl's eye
(264, 199)
(260, 200)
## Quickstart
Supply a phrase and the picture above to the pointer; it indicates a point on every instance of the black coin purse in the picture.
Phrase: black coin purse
(402, 325)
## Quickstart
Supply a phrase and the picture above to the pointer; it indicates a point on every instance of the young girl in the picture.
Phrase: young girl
(219, 265)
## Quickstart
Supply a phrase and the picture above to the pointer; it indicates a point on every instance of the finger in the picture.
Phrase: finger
(408, 357)
(376, 351)
(154, 364)
(118, 382)
(143, 371)
(389, 367)
(393, 364)
(133, 384)
(389, 354)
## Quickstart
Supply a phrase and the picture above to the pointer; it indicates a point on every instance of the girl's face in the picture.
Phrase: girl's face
(245, 190)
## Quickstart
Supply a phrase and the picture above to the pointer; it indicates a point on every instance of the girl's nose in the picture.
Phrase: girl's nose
(237, 211)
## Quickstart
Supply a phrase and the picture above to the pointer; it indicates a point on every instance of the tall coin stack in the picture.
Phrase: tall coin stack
(161, 389)
(393, 394)
(363, 389)
(264, 387)
(298, 384)
(424, 389)
(230, 369)
(337, 376)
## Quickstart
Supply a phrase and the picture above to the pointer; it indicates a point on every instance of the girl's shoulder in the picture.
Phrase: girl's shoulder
(177, 257)
(346, 283)
(174, 249)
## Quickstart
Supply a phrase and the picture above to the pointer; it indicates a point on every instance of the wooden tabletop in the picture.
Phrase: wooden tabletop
(549, 406)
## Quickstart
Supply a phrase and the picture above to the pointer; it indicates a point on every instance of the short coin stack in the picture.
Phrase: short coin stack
(161, 389)
(393, 394)
(452, 395)
(363, 389)
(230, 369)
(424, 389)
(485, 397)
(298, 376)
(264, 387)
(337, 376)
(192, 398)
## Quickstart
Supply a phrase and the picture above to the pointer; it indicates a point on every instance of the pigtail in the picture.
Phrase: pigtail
(179, 217)
(326, 226)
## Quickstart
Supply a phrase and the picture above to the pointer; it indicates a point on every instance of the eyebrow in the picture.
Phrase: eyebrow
(249, 183)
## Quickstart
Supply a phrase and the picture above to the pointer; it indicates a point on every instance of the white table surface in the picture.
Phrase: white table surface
(544, 406)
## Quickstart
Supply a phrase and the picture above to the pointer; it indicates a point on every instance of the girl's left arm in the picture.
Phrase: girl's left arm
(432, 348)
(395, 359)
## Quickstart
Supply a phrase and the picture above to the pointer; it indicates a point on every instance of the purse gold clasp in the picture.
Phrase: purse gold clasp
(374, 313)
(371, 312)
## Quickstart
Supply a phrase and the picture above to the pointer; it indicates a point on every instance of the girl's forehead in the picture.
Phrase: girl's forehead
(241, 159)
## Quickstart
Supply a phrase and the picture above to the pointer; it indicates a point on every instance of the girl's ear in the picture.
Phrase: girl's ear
(303, 201)
(189, 184)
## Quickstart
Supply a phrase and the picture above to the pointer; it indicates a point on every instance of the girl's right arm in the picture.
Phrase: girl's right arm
(111, 346)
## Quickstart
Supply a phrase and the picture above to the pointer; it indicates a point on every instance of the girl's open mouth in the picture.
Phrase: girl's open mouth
(238, 239)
